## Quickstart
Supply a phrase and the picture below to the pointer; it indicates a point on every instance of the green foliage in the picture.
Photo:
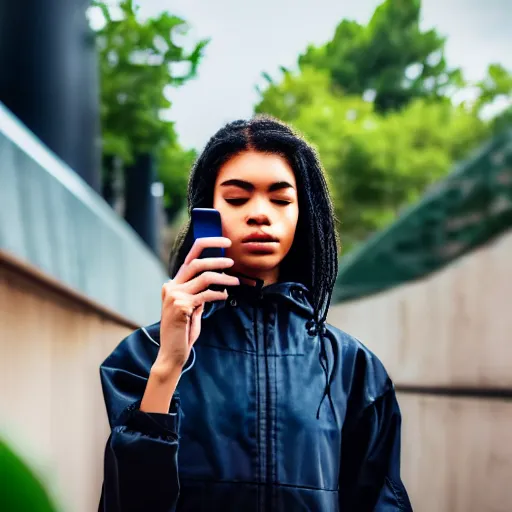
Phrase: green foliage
(496, 87)
(376, 163)
(19, 489)
(376, 103)
(136, 59)
(497, 83)
(138, 68)
(390, 56)
(503, 121)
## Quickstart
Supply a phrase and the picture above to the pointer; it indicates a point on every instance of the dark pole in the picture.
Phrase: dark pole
(140, 203)
(108, 180)
(49, 78)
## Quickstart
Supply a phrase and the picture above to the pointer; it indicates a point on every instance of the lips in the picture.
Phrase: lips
(259, 238)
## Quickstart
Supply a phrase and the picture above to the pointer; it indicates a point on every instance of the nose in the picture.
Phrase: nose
(258, 220)
(258, 215)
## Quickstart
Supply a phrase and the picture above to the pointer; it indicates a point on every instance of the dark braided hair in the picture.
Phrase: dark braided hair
(313, 257)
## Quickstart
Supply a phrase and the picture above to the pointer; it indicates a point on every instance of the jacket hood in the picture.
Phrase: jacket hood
(296, 295)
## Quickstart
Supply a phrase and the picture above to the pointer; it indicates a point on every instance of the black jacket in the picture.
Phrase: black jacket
(275, 413)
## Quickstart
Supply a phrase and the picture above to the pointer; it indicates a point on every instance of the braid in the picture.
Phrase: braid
(313, 258)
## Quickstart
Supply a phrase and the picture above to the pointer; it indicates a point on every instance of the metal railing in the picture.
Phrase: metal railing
(51, 219)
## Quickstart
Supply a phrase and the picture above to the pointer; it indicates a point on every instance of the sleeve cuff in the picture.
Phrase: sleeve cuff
(154, 424)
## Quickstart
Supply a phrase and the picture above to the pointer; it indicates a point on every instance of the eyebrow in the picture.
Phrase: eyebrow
(279, 185)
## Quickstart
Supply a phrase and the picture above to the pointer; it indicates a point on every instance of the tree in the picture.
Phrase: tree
(136, 64)
(376, 101)
(495, 92)
(375, 162)
(390, 58)
(139, 65)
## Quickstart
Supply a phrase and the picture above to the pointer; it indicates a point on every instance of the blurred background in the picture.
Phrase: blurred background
(104, 106)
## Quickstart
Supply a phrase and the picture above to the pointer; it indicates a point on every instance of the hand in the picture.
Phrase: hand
(183, 300)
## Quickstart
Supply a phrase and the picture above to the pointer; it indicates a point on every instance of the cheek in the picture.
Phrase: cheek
(227, 230)
(290, 225)
(216, 202)
(228, 220)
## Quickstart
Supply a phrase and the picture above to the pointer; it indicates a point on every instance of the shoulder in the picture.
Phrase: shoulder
(363, 373)
(137, 351)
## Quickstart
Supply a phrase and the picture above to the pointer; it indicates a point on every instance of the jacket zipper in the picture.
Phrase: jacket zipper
(264, 411)
(268, 429)
(261, 434)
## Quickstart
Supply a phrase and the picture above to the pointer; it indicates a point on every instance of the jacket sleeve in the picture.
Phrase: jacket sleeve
(140, 465)
(370, 474)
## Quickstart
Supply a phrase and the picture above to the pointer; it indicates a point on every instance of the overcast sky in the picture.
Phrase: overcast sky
(250, 37)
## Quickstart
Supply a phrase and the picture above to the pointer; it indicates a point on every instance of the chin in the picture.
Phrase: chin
(259, 262)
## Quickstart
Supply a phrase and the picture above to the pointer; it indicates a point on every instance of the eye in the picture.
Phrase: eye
(281, 202)
(237, 202)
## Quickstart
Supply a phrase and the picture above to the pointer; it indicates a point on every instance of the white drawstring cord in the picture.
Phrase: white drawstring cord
(191, 364)
(144, 330)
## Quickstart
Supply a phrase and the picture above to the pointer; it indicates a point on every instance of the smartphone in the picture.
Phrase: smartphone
(206, 222)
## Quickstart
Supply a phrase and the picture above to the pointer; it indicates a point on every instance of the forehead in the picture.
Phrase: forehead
(260, 169)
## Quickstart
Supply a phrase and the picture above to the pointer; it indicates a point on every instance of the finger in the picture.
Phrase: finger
(203, 281)
(183, 309)
(169, 291)
(203, 243)
(197, 312)
(209, 296)
(197, 266)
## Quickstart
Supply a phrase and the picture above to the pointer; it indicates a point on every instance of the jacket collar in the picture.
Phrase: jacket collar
(296, 294)
(295, 298)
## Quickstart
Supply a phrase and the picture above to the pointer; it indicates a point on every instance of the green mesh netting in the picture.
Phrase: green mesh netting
(465, 210)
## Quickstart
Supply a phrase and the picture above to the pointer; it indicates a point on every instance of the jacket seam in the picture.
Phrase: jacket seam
(258, 391)
(396, 493)
(261, 414)
(276, 409)
(168, 437)
(250, 352)
(240, 351)
(388, 389)
(285, 355)
(260, 484)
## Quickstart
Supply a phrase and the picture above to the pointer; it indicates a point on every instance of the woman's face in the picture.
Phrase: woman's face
(256, 195)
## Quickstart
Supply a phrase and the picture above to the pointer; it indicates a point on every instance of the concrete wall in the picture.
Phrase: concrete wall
(446, 342)
(51, 219)
(52, 341)
(74, 280)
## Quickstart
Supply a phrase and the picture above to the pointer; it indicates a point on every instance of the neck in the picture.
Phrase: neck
(267, 276)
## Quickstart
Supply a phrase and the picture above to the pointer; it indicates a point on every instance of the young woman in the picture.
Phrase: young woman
(246, 400)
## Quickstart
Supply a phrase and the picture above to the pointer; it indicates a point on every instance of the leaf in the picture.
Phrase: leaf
(135, 73)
